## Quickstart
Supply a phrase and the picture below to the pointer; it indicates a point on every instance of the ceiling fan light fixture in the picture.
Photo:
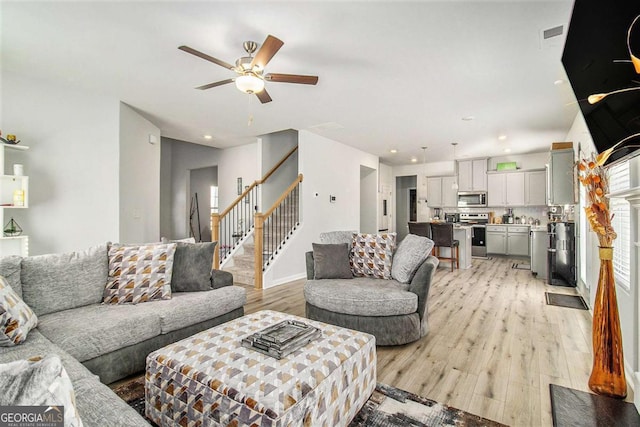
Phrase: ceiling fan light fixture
(249, 83)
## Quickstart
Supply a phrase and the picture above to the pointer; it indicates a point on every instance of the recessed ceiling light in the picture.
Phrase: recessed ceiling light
(502, 137)
(207, 136)
(558, 82)
(413, 160)
(393, 151)
(507, 150)
(468, 118)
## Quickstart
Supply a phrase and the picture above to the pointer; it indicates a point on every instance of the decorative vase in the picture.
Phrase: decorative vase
(607, 375)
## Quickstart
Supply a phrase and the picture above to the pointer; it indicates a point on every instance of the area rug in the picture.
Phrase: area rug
(574, 408)
(387, 407)
(563, 300)
(521, 266)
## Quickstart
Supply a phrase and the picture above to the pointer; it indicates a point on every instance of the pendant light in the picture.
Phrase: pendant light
(454, 186)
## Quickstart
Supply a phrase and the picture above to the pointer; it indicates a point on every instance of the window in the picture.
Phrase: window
(583, 236)
(621, 210)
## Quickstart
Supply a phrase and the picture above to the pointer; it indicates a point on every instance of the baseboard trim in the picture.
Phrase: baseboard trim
(284, 280)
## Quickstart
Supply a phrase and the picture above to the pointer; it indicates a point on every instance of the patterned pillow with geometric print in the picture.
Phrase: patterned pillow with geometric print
(16, 317)
(371, 255)
(139, 274)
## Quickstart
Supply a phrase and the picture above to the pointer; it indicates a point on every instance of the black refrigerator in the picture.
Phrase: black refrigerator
(561, 254)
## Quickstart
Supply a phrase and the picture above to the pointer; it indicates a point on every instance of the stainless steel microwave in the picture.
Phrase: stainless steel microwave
(468, 199)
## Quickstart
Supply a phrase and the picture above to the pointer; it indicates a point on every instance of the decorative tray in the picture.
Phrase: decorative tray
(282, 338)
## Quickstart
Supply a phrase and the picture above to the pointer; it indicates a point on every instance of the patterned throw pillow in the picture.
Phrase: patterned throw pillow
(139, 273)
(39, 382)
(371, 254)
(16, 318)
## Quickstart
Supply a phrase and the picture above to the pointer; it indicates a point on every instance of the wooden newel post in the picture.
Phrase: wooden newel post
(215, 237)
(257, 240)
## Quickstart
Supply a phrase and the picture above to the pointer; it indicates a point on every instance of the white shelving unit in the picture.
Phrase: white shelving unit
(15, 245)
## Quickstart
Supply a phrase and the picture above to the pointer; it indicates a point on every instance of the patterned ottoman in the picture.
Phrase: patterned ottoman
(209, 379)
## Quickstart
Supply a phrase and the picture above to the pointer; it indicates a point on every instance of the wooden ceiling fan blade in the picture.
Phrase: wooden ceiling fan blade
(269, 48)
(214, 84)
(263, 96)
(291, 78)
(206, 57)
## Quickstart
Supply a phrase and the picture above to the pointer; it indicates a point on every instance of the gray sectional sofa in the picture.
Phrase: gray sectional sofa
(99, 344)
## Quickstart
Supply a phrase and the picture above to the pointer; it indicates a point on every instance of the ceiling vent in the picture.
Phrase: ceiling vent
(325, 127)
(552, 37)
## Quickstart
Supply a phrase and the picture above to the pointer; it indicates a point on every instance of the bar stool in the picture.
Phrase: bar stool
(442, 236)
(419, 229)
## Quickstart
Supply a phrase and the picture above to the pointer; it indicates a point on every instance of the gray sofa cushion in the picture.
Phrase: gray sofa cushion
(90, 331)
(331, 261)
(192, 264)
(336, 237)
(411, 253)
(57, 282)
(38, 345)
(361, 296)
(99, 406)
(220, 279)
(186, 309)
(10, 270)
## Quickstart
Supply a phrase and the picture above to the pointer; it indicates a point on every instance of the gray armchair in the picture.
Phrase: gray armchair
(395, 313)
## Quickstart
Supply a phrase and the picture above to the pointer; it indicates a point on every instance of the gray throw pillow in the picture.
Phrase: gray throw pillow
(192, 264)
(10, 269)
(412, 251)
(331, 261)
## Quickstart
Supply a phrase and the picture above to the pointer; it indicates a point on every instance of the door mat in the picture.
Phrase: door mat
(563, 300)
(574, 408)
(521, 266)
(387, 407)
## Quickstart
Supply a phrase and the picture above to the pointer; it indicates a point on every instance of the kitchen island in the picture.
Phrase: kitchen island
(461, 233)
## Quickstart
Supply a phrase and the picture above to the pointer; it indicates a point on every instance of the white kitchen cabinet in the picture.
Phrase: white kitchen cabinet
(14, 194)
(496, 193)
(449, 192)
(434, 192)
(465, 175)
(505, 189)
(514, 189)
(561, 178)
(496, 239)
(472, 175)
(535, 188)
(440, 192)
(508, 240)
(518, 240)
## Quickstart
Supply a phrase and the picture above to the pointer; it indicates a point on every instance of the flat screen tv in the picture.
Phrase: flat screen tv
(597, 60)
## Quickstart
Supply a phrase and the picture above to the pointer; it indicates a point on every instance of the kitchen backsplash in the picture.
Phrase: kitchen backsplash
(537, 212)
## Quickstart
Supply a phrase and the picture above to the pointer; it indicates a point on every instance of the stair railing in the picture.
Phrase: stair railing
(274, 227)
(230, 227)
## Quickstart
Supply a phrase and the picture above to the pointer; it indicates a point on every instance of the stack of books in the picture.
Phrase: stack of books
(282, 338)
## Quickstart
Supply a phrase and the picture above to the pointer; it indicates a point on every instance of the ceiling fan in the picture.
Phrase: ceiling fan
(250, 69)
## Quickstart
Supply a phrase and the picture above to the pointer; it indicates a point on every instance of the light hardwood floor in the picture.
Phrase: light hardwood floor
(494, 345)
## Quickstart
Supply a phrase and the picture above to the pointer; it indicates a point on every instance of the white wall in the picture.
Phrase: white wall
(139, 178)
(329, 168)
(272, 148)
(179, 158)
(72, 163)
(236, 162)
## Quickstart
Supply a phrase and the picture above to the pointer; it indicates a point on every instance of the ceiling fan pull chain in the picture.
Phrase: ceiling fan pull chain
(250, 120)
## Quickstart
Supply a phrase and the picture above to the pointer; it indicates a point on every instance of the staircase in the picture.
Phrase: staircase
(249, 241)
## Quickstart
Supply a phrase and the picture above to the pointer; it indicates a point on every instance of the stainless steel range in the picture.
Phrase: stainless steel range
(478, 223)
